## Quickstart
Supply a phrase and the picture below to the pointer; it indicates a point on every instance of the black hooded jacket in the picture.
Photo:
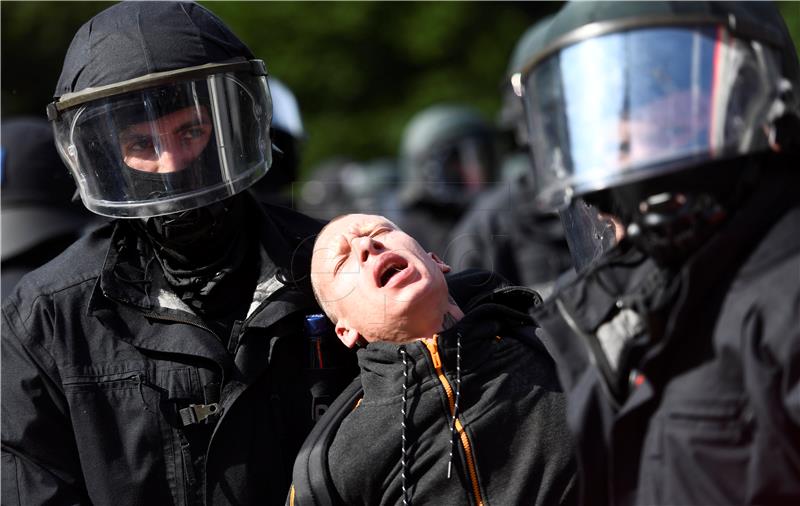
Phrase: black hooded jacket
(106, 378)
(683, 386)
(510, 444)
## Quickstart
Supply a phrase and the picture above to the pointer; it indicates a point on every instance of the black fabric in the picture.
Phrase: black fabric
(131, 39)
(709, 415)
(97, 363)
(502, 232)
(311, 478)
(32, 171)
(208, 259)
(510, 405)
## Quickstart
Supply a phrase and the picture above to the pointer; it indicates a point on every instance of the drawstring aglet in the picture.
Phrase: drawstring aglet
(449, 465)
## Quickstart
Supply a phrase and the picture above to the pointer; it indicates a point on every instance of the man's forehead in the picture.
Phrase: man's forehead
(356, 224)
(338, 232)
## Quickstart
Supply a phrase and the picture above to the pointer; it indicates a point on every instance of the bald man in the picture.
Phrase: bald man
(460, 406)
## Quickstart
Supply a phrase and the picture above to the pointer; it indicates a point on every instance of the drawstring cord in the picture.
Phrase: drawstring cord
(455, 404)
(403, 457)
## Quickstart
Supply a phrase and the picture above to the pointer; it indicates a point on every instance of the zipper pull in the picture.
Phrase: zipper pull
(433, 347)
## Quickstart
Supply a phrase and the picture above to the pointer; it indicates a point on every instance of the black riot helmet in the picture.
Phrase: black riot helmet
(159, 109)
(650, 115)
(446, 156)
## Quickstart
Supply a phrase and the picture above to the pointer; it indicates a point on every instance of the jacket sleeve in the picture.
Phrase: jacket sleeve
(40, 464)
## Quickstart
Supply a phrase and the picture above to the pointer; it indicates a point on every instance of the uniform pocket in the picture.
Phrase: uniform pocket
(123, 420)
(697, 452)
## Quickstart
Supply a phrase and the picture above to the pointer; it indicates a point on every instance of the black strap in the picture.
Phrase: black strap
(312, 484)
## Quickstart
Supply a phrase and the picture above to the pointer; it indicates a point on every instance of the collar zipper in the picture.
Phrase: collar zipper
(433, 348)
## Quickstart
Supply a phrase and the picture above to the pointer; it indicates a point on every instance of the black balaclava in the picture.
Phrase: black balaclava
(208, 258)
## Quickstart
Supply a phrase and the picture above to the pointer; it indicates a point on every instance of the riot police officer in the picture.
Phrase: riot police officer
(162, 359)
(666, 134)
(447, 158)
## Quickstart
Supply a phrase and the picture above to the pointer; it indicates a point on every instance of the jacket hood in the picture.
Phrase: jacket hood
(496, 312)
(473, 287)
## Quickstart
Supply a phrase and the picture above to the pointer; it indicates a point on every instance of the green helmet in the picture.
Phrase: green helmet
(628, 91)
(512, 114)
(446, 155)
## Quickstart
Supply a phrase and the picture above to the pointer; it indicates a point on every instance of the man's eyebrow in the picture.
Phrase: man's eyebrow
(190, 123)
(364, 229)
(131, 133)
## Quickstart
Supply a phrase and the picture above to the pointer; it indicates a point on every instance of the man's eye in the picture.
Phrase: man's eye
(338, 266)
(192, 133)
(379, 231)
(142, 145)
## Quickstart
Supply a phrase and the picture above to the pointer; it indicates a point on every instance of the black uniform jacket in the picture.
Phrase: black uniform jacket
(511, 444)
(701, 405)
(502, 232)
(114, 393)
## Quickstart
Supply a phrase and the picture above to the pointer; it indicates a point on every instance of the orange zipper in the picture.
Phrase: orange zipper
(433, 348)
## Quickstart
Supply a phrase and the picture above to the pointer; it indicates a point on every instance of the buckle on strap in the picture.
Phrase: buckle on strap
(196, 413)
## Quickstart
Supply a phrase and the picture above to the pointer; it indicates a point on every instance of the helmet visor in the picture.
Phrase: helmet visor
(458, 171)
(168, 148)
(589, 232)
(629, 105)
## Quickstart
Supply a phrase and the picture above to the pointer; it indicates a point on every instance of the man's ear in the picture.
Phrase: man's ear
(443, 266)
(347, 335)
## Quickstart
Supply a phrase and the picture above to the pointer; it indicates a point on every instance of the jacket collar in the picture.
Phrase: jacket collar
(381, 363)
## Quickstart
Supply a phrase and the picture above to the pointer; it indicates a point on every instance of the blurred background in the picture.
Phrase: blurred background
(359, 70)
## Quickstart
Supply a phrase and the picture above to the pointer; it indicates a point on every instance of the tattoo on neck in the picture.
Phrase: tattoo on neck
(448, 321)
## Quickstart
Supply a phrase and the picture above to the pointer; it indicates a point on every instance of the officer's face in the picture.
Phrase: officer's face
(168, 144)
(377, 280)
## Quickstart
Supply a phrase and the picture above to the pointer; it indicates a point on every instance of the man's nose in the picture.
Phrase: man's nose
(365, 247)
(171, 157)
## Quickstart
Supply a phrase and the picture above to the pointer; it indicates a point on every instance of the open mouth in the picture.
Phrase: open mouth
(390, 269)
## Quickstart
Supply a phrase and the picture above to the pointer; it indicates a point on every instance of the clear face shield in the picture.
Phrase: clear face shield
(167, 142)
(629, 106)
(458, 171)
